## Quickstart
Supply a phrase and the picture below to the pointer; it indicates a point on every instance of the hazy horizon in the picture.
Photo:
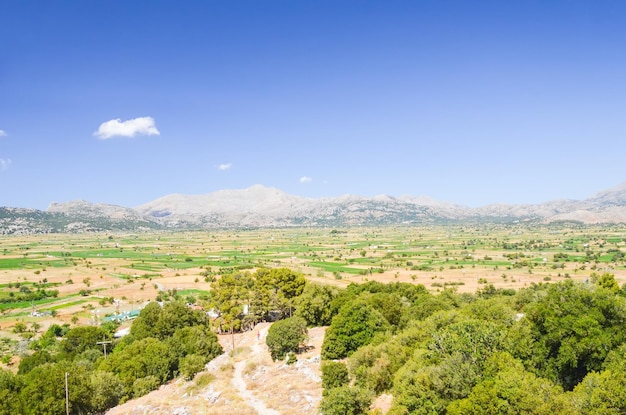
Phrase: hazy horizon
(314, 198)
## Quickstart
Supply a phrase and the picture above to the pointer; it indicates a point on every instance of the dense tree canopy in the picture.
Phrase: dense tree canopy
(547, 349)
(574, 327)
(314, 304)
(164, 342)
(354, 326)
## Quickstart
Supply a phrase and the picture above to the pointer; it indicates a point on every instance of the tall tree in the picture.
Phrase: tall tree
(275, 289)
(229, 296)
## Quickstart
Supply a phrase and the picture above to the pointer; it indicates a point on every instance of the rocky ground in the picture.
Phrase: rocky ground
(246, 382)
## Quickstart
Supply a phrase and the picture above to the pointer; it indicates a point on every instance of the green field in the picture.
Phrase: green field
(136, 267)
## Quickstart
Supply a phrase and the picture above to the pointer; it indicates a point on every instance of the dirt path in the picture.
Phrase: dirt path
(247, 382)
(240, 384)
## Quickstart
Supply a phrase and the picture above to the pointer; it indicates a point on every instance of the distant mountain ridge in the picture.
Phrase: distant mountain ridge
(259, 206)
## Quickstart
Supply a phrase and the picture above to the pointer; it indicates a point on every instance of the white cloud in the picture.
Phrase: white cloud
(129, 128)
(225, 166)
(4, 164)
(2, 133)
(305, 179)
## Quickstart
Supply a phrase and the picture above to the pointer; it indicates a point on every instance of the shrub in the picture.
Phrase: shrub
(190, 365)
(334, 375)
(345, 400)
(285, 336)
(291, 358)
(145, 385)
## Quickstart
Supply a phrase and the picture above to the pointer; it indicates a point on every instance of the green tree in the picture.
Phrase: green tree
(508, 389)
(10, 397)
(606, 281)
(603, 393)
(274, 290)
(390, 305)
(107, 390)
(174, 316)
(79, 339)
(373, 367)
(44, 390)
(141, 358)
(285, 336)
(334, 374)
(573, 328)
(197, 340)
(354, 326)
(474, 340)
(417, 390)
(38, 358)
(190, 365)
(345, 400)
(313, 305)
(145, 325)
(229, 294)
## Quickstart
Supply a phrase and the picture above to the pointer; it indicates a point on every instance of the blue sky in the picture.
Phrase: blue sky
(473, 102)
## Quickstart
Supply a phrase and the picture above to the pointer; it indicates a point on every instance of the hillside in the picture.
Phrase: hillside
(259, 206)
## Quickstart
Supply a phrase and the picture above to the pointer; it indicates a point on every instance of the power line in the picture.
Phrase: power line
(104, 346)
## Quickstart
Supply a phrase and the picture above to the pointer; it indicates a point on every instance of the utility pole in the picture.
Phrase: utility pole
(67, 396)
(104, 346)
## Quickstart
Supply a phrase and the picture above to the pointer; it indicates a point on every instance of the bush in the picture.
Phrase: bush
(285, 336)
(204, 379)
(345, 400)
(291, 358)
(190, 365)
(108, 390)
(145, 385)
(334, 375)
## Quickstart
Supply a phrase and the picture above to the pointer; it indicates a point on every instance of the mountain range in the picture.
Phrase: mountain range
(259, 206)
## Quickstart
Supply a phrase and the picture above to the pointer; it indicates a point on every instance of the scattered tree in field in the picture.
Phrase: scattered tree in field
(19, 327)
